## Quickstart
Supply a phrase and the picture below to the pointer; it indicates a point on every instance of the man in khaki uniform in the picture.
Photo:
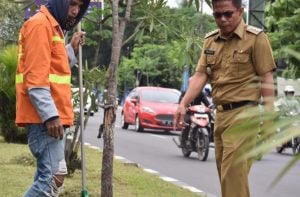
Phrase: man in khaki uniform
(237, 60)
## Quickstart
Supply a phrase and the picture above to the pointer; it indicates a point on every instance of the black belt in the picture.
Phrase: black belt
(230, 106)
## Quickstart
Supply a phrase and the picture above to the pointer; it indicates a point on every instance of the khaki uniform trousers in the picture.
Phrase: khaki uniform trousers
(230, 144)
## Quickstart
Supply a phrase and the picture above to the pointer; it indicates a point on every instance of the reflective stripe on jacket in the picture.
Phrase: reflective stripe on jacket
(43, 62)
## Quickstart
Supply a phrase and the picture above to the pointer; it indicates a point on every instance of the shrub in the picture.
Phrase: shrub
(8, 64)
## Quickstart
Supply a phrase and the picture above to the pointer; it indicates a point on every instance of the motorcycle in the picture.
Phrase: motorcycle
(294, 143)
(199, 130)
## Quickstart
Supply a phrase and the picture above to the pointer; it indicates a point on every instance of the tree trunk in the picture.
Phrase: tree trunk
(111, 106)
(97, 50)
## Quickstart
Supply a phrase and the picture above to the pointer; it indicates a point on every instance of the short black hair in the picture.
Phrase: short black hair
(236, 3)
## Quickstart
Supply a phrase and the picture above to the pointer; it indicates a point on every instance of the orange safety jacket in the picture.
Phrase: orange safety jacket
(42, 62)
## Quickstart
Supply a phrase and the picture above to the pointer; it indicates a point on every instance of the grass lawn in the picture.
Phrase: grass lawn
(17, 168)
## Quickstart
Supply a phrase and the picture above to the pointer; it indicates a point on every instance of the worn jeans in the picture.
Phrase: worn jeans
(49, 153)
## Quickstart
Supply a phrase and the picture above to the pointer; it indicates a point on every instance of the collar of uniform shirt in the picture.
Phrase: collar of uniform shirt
(239, 31)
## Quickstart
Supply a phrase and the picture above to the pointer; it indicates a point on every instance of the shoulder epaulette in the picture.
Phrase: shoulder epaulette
(254, 30)
(214, 32)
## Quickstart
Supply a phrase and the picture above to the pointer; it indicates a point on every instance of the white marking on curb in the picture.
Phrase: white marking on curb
(164, 178)
(119, 157)
(126, 161)
(87, 144)
(192, 189)
(168, 179)
(150, 171)
(94, 147)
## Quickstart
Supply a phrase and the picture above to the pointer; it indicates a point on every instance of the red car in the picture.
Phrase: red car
(151, 108)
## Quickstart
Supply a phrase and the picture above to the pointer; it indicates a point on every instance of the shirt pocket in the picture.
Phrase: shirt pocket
(212, 67)
(240, 57)
(59, 59)
(210, 60)
(239, 63)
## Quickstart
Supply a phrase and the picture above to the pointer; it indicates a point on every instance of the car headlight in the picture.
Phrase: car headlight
(148, 109)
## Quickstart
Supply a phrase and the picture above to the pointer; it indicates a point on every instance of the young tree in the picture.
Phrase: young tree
(119, 25)
(119, 22)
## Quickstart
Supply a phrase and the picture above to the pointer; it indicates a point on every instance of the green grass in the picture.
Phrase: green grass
(17, 168)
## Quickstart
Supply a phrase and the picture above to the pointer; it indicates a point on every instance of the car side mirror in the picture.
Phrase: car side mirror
(134, 101)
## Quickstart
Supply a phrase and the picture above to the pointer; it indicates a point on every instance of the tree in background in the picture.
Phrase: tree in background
(154, 70)
(8, 65)
(283, 23)
(10, 21)
(97, 24)
(160, 59)
(197, 3)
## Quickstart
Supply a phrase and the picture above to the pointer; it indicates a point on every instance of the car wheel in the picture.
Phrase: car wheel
(123, 123)
(138, 126)
(167, 131)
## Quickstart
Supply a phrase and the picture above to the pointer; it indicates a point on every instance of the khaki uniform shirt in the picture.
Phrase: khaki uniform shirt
(233, 65)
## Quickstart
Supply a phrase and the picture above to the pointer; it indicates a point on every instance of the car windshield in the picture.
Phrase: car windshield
(160, 96)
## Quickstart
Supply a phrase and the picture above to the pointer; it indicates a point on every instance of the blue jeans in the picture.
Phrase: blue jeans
(49, 153)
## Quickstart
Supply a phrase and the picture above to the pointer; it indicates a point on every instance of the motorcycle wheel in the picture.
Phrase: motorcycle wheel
(185, 151)
(279, 149)
(294, 148)
(298, 149)
(202, 145)
(123, 123)
(258, 156)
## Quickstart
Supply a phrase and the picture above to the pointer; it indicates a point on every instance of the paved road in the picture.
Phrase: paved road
(156, 150)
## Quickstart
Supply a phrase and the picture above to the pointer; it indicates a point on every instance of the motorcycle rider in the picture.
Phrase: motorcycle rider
(208, 93)
(207, 90)
(200, 99)
(289, 104)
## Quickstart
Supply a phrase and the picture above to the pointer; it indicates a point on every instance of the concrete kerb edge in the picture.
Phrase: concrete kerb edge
(164, 178)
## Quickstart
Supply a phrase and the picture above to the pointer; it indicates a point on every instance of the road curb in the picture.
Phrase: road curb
(153, 172)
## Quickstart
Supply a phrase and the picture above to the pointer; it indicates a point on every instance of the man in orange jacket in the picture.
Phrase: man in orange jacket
(44, 90)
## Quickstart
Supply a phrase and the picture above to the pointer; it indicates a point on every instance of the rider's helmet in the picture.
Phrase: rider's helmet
(289, 89)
